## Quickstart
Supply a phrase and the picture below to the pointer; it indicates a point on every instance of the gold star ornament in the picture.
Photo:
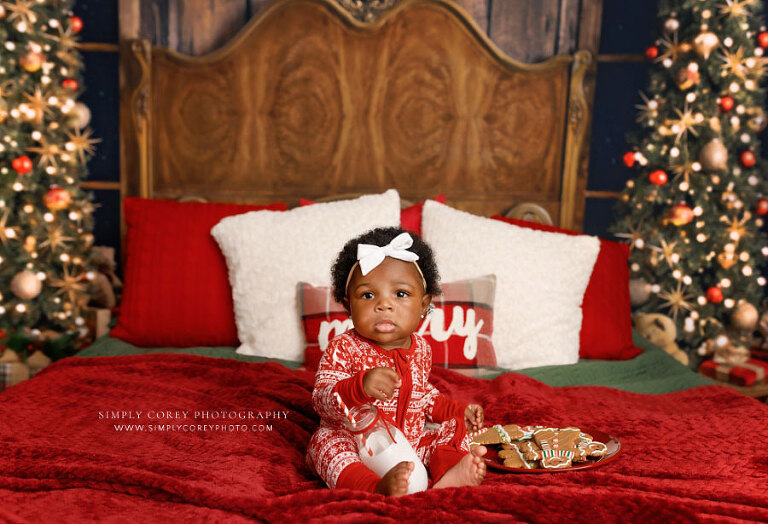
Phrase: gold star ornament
(676, 300)
(733, 8)
(46, 152)
(21, 10)
(69, 285)
(81, 144)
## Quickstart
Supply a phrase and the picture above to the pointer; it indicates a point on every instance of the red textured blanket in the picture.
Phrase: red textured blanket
(68, 451)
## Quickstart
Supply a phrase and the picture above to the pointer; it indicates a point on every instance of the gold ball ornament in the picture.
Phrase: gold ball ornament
(714, 155)
(32, 61)
(57, 199)
(704, 43)
(79, 116)
(745, 317)
(639, 291)
(679, 215)
(2, 12)
(3, 110)
(26, 285)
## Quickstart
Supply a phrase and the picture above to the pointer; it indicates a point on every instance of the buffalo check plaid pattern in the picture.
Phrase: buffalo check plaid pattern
(459, 329)
(6, 378)
(11, 373)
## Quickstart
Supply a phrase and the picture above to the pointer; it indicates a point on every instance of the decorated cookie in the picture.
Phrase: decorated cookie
(513, 458)
(531, 450)
(558, 446)
(497, 434)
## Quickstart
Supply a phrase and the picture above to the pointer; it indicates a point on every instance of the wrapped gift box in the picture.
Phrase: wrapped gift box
(749, 373)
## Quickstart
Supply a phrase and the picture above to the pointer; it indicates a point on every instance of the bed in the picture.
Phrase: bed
(198, 405)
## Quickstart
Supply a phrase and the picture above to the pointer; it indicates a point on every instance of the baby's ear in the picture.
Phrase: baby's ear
(426, 300)
(345, 303)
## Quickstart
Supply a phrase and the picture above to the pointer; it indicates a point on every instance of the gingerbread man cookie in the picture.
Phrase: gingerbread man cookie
(497, 434)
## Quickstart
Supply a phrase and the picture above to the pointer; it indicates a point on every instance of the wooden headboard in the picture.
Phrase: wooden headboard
(308, 102)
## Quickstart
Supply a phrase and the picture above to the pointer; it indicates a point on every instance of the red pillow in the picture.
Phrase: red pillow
(459, 329)
(177, 290)
(606, 326)
(410, 217)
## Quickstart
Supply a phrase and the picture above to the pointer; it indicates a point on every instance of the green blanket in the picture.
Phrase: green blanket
(653, 371)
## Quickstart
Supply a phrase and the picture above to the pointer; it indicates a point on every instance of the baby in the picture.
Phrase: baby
(386, 279)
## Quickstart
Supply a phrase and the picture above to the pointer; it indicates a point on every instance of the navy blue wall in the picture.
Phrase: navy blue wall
(627, 29)
(102, 97)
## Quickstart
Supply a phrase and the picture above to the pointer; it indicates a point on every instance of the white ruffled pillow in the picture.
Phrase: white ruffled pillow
(268, 252)
(541, 279)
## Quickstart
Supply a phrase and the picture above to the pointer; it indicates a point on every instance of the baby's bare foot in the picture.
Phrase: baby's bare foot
(469, 471)
(395, 482)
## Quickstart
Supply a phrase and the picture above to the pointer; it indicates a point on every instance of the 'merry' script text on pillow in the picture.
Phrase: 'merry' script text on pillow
(460, 326)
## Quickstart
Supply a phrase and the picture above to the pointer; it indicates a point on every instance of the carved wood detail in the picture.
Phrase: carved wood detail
(309, 102)
(367, 10)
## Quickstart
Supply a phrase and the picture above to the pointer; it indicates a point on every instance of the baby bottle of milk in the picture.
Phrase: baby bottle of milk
(382, 445)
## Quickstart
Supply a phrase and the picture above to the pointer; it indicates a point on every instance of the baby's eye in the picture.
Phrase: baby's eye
(367, 295)
(402, 294)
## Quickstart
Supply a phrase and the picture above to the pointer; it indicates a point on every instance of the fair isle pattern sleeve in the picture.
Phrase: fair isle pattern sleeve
(430, 391)
(336, 365)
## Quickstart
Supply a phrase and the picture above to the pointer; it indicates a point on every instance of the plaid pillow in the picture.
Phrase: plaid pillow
(459, 329)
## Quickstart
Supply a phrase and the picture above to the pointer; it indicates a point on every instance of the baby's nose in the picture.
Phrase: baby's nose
(384, 304)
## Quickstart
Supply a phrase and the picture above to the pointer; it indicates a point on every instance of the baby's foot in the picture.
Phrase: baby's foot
(469, 471)
(395, 482)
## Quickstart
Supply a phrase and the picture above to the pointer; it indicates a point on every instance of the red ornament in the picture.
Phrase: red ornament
(629, 158)
(57, 199)
(715, 295)
(680, 215)
(70, 83)
(725, 103)
(652, 52)
(762, 206)
(762, 39)
(658, 177)
(22, 164)
(76, 23)
(747, 158)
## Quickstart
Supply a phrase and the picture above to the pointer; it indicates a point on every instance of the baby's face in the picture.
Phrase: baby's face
(387, 303)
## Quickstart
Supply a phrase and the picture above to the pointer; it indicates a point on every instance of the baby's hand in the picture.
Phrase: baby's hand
(380, 383)
(474, 417)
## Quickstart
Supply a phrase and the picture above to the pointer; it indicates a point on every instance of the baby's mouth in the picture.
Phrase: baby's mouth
(384, 326)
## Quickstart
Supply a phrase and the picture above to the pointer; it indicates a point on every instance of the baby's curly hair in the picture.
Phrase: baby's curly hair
(382, 236)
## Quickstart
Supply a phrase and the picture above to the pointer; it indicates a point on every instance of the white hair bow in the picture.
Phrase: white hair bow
(370, 256)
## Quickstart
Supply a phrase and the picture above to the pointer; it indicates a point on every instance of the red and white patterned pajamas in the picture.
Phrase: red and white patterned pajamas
(332, 449)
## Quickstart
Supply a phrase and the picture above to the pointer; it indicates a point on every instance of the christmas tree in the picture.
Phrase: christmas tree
(45, 216)
(694, 210)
